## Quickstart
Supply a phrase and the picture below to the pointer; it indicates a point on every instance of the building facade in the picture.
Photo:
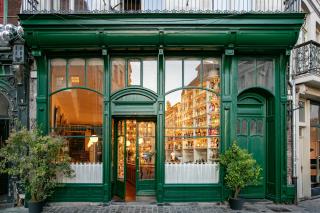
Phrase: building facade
(305, 70)
(14, 80)
(149, 93)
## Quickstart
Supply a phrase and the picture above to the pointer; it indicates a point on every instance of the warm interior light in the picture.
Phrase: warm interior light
(140, 140)
(128, 143)
(75, 79)
(93, 139)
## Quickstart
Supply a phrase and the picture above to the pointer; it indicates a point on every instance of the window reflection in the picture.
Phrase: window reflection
(150, 68)
(134, 70)
(95, 74)
(58, 74)
(246, 74)
(173, 72)
(76, 73)
(192, 135)
(192, 72)
(255, 73)
(265, 74)
(118, 74)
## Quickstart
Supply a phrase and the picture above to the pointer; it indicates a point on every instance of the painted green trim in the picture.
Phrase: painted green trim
(42, 96)
(80, 87)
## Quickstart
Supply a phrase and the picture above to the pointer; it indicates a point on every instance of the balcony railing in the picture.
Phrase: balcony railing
(160, 6)
(306, 58)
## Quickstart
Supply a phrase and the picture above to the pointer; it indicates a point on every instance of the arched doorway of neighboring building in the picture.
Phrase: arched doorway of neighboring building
(4, 133)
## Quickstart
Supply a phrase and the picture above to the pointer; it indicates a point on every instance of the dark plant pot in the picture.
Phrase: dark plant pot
(36, 207)
(236, 203)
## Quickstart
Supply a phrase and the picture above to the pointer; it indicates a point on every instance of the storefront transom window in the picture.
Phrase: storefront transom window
(192, 120)
(76, 113)
(128, 72)
(254, 72)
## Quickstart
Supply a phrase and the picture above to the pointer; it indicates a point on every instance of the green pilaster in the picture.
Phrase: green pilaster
(228, 106)
(107, 120)
(42, 96)
(160, 126)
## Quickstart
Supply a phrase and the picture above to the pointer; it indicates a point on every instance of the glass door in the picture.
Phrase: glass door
(146, 157)
(134, 155)
(120, 188)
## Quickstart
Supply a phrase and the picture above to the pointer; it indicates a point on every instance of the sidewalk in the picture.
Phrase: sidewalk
(309, 206)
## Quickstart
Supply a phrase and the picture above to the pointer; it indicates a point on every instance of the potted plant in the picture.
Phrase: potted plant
(36, 160)
(241, 170)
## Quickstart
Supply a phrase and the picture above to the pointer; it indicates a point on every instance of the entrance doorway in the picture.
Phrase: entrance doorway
(134, 158)
(251, 135)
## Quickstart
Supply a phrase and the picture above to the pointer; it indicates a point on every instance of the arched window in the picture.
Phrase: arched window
(192, 120)
(76, 113)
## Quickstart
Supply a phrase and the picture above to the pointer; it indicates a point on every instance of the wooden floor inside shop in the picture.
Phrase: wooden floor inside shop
(130, 192)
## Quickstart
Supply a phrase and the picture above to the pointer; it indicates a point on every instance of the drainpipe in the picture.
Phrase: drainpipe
(294, 126)
(5, 12)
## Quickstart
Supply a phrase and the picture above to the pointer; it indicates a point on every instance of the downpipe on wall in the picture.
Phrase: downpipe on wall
(294, 138)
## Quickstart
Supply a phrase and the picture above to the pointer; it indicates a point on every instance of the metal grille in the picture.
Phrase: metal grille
(160, 6)
(306, 58)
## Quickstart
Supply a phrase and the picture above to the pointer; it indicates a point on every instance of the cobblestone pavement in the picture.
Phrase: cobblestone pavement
(310, 206)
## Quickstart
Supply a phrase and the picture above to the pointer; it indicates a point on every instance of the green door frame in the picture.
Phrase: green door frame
(119, 186)
(249, 115)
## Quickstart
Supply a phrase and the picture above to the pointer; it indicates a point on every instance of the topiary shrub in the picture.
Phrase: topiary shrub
(241, 169)
(36, 160)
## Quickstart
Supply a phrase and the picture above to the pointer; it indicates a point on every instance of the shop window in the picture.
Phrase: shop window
(140, 72)
(255, 73)
(246, 73)
(58, 74)
(118, 74)
(150, 68)
(192, 72)
(265, 74)
(192, 124)
(134, 71)
(95, 74)
(314, 114)
(77, 114)
(76, 70)
(173, 74)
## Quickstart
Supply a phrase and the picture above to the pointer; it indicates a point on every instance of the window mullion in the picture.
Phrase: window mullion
(67, 73)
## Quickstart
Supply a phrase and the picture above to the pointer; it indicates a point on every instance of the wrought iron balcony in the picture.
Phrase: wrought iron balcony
(159, 6)
(306, 59)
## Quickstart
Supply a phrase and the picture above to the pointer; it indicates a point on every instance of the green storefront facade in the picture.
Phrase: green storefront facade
(238, 65)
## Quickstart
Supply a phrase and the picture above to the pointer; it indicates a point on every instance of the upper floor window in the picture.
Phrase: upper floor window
(128, 72)
(254, 72)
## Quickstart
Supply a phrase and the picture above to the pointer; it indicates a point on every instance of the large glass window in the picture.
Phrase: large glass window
(77, 115)
(192, 124)
(140, 72)
(255, 73)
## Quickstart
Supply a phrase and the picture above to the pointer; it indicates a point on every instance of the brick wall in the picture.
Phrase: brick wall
(14, 7)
